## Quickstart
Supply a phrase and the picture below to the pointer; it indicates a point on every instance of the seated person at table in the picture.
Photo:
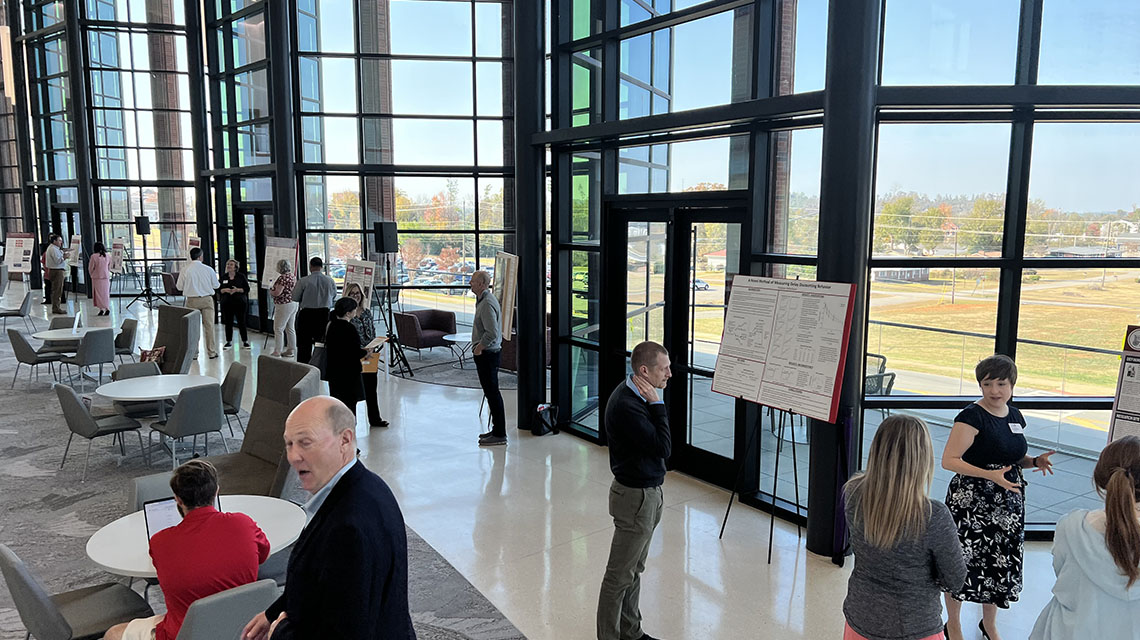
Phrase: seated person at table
(208, 552)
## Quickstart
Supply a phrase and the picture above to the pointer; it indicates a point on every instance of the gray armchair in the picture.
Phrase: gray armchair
(61, 346)
(233, 389)
(96, 348)
(125, 341)
(225, 614)
(82, 423)
(25, 354)
(81, 614)
(260, 467)
(23, 312)
(424, 328)
(197, 412)
(179, 330)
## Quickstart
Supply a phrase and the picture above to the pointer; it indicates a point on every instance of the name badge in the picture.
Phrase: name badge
(1016, 427)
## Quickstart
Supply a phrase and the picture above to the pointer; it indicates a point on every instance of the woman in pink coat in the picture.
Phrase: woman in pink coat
(99, 266)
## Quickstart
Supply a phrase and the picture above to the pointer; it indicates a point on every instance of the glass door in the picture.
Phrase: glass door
(248, 237)
(666, 276)
(65, 222)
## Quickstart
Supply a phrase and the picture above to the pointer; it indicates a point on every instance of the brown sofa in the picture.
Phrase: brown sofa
(424, 328)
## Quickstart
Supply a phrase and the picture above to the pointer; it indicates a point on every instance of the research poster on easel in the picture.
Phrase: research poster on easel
(118, 253)
(276, 250)
(19, 252)
(785, 343)
(506, 284)
(73, 250)
(362, 274)
(1126, 404)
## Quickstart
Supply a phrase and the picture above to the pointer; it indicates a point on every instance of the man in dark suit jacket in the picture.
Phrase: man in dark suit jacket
(348, 572)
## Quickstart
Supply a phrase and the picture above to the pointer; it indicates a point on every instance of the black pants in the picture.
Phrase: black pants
(347, 390)
(311, 325)
(234, 308)
(370, 382)
(487, 364)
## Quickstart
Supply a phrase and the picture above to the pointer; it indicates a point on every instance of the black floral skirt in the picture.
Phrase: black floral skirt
(991, 528)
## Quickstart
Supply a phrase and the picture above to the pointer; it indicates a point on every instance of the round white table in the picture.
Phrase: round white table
(69, 334)
(152, 389)
(459, 343)
(122, 547)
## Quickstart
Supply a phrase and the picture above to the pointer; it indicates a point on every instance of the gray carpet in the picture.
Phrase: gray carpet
(49, 514)
(437, 366)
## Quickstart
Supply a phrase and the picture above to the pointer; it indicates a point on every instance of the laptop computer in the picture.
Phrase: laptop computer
(163, 513)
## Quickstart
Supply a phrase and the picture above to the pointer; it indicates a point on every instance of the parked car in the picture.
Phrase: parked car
(700, 285)
(425, 280)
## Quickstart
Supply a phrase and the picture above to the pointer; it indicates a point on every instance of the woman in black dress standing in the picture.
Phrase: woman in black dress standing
(987, 452)
(234, 302)
(342, 347)
(366, 329)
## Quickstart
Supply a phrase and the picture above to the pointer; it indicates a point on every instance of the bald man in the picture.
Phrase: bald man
(348, 573)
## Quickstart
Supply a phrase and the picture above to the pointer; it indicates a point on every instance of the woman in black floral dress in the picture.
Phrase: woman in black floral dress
(987, 452)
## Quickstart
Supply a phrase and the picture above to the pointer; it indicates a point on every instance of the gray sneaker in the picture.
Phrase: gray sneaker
(492, 441)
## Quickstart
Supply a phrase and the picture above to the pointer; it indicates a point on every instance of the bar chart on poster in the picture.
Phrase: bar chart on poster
(785, 343)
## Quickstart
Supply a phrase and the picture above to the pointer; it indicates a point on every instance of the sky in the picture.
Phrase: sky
(1076, 167)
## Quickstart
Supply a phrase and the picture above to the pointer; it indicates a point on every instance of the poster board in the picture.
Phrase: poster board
(277, 249)
(20, 252)
(73, 250)
(118, 254)
(191, 243)
(505, 287)
(363, 274)
(785, 343)
(1126, 403)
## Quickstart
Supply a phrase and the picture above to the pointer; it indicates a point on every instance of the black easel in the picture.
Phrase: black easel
(396, 357)
(775, 474)
(148, 296)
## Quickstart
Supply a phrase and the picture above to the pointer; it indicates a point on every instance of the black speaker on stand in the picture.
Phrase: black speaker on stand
(388, 242)
(147, 295)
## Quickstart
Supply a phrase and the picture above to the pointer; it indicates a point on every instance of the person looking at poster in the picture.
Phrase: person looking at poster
(56, 266)
(99, 267)
(906, 545)
(987, 452)
(315, 293)
(487, 338)
(284, 311)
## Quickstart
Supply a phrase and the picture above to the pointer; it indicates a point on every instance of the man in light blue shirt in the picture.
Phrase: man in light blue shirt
(57, 271)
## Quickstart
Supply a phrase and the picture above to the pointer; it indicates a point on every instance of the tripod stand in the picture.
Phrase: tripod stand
(397, 357)
(147, 295)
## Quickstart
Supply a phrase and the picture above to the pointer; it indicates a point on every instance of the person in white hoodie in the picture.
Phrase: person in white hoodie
(1096, 556)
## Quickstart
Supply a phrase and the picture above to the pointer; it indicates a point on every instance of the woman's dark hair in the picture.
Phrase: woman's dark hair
(996, 367)
(99, 249)
(1117, 478)
(343, 307)
(195, 483)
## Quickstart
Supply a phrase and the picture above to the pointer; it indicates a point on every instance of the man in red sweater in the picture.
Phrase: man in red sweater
(208, 552)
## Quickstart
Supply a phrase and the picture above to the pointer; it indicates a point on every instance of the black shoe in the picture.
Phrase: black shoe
(982, 628)
(214, 357)
(227, 345)
(245, 345)
(492, 441)
(484, 436)
(378, 423)
(646, 636)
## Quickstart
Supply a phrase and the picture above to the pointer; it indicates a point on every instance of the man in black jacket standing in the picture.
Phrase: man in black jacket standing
(637, 428)
(348, 572)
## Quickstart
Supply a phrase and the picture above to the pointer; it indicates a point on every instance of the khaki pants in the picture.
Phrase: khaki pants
(57, 283)
(636, 513)
(205, 305)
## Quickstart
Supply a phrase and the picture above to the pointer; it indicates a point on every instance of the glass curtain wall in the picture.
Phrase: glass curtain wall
(141, 136)
(11, 193)
(652, 66)
(404, 114)
(1008, 230)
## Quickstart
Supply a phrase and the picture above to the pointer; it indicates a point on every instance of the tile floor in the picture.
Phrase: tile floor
(527, 525)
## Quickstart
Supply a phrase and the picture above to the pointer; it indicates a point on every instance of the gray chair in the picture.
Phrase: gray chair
(23, 311)
(125, 341)
(82, 423)
(233, 388)
(61, 346)
(223, 615)
(197, 412)
(260, 467)
(96, 348)
(25, 354)
(170, 285)
(179, 330)
(81, 614)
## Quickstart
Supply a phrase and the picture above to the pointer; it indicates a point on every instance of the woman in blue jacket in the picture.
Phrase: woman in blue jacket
(1096, 556)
